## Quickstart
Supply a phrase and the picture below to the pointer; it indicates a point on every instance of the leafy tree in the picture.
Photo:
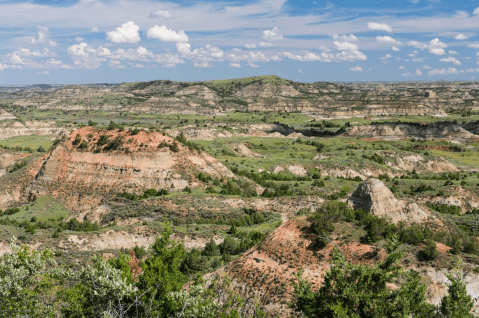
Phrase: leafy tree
(364, 291)
(26, 279)
(161, 273)
(457, 304)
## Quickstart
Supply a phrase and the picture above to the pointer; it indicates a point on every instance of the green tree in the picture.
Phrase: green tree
(457, 304)
(362, 291)
(161, 273)
(26, 279)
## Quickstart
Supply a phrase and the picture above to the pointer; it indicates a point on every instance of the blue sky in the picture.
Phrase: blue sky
(95, 41)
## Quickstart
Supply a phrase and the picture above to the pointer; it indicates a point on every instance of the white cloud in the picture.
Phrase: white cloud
(407, 74)
(396, 49)
(162, 14)
(117, 65)
(250, 46)
(460, 36)
(418, 73)
(476, 11)
(451, 59)
(265, 44)
(41, 35)
(387, 39)
(451, 52)
(164, 34)
(41, 38)
(435, 46)
(345, 37)
(126, 33)
(474, 45)
(418, 59)
(201, 57)
(401, 67)
(272, 35)
(94, 29)
(85, 56)
(426, 67)
(251, 64)
(237, 65)
(79, 39)
(442, 71)
(356, 69)
(202, 64)
(346, 46)
(300, 71)
(417, 44)
(385, 57)
(379, 26)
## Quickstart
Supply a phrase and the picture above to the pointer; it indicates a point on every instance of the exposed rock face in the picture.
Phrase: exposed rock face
(267, 90)
(14, 129)
(6, 115)
(439, 130)
(83, 175)
(375, 198)
(243, 151)
(198, 91)
(8, 158)
(413, 161)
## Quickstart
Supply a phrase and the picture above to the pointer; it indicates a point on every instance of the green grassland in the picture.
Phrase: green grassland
(33, 142)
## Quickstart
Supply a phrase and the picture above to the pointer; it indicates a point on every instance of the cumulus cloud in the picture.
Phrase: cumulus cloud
(396, 49)
(126, 33)
(250, 46)
(41, 38)
(442, 71)
(451, 60)
(434, 46)
(237, 65)
(272, 35)
(460, 36)
(385, 57)
(451, 52)
(94, 29)
(426, 67)
(162, 14)
(356, 69)
(476, 11)
(401, 67)
(85, 56)
(418, 73)
(345, 37)
(201, 57)
(474, 45)
(350, 53)
(379, 27)
(168, 35)
(387, 39)
(418, 59)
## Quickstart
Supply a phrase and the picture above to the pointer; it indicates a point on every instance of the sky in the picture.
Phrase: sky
(115, 41)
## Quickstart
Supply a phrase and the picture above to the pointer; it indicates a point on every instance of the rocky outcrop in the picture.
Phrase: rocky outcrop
(16, 128)
(429, 131)
(198, 91)
(267, 90)
(374, 197)
(82, 174)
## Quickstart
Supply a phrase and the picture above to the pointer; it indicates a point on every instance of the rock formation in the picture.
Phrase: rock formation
(374, 197)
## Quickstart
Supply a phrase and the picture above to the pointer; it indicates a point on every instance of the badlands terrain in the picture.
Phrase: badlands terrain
(239, 168)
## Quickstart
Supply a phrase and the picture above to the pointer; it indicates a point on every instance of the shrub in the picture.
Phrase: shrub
(430, 251)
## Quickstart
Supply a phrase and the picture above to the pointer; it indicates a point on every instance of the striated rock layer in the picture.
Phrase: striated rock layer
(82, 173)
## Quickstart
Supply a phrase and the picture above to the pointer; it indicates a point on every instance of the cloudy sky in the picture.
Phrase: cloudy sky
(114, 41)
